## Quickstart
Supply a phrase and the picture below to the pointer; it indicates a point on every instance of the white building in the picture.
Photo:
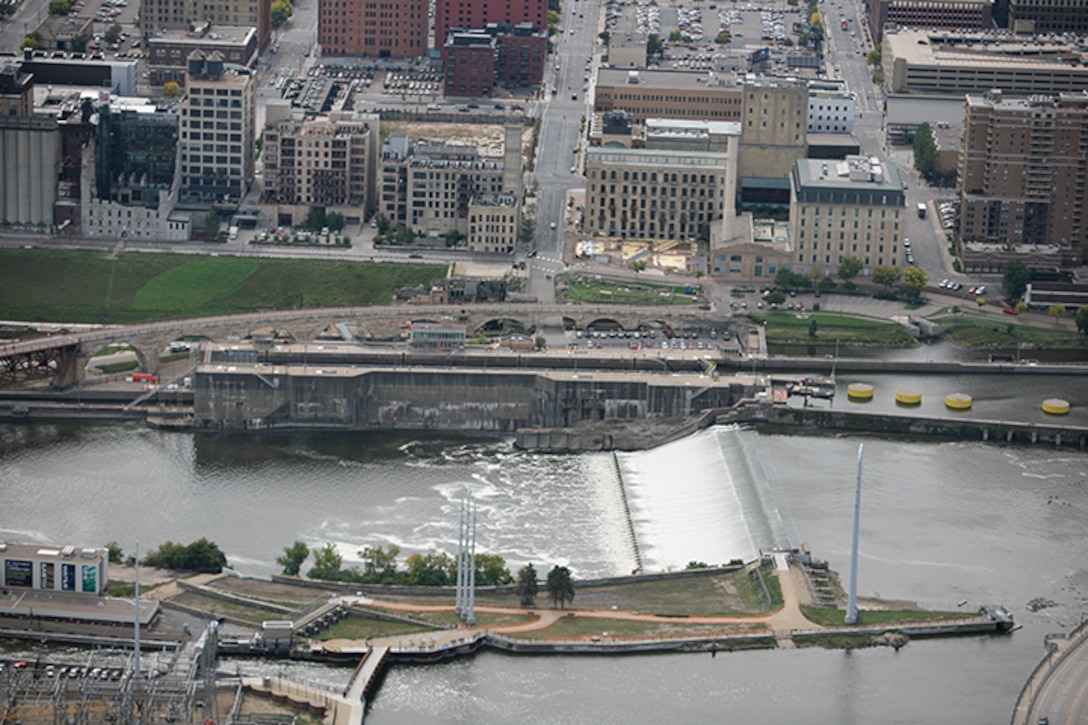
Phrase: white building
(831, 111)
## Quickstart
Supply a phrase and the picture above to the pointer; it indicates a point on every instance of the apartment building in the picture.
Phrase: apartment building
(373, 28)
(1023, 181)
(657, 194)
(1048, 16)
(159, 15)
(493, 223)
(831, 111)
(216, 144)
(852, 208)
(168, 51)
(329, 161)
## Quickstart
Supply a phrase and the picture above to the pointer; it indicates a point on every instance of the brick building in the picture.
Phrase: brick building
(668, 94)
(469, 68)
(167, 52)
(373, 28)
(962, 14)
(470, 14)
(1048, 16)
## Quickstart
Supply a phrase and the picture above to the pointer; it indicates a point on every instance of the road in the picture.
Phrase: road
(29, 16)
(1062, 697)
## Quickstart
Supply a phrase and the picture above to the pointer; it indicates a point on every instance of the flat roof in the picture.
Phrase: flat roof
(70, 605)
(928, 47)
(810, 174)
(218, 34)
(912, 110)
(655, 157)
(673, 80)
(9, 550)
(665, 125)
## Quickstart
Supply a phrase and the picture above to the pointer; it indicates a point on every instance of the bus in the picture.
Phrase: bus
(921, 210)
(144, 378)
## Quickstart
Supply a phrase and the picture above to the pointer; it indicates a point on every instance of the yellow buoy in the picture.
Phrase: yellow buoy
(958, 401)
(908, 397)
(1056, 406)
(859, 391)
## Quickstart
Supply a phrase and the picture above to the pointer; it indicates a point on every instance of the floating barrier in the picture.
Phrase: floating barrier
(958, 401)
(907, 396)
(861, 392)
(1056, 406)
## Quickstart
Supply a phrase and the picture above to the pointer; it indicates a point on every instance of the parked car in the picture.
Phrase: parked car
(1010, 311)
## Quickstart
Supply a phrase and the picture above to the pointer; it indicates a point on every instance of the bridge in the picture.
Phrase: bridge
(63, 357)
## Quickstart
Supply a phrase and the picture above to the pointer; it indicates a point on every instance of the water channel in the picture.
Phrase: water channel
(943, 522)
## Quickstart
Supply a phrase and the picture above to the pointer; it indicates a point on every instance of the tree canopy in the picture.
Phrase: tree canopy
(886, 276)
(560, 586)
(201, 556)
(849, 267)
(281, 11)
(1082, 320)
(293, 557)
(528, 584)
(1016, 278)
(915, 280)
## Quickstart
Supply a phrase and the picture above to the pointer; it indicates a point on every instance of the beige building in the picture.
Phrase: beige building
(655, 194)
(328, 161)
(666, 93)
(852, 208)
(493, 223)
(216, 144)
(943, 62)
(1023, 178)
(158, 15)
(755, 250)
(773, 129)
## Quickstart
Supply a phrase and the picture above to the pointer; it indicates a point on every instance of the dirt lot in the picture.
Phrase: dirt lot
(487, 137)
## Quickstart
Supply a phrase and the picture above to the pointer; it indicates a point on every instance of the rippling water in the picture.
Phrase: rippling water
(941, 522)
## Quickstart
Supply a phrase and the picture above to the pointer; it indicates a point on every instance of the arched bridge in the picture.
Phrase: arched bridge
(63, 357)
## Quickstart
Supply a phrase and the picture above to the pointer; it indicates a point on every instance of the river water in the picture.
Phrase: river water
(941, 523)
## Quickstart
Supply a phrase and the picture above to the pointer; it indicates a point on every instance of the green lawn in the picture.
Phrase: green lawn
(367, 628)
(830, 327)
(79, 286)
(868, 617)
(628, 292)
(977, 331)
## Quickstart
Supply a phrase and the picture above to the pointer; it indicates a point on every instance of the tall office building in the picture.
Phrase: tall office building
(156, 15)
(1022, 171)
(774, 123)
(373, 28)
(218, 116)
(473, 14)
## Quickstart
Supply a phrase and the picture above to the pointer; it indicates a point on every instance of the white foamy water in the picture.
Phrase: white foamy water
(704, 498)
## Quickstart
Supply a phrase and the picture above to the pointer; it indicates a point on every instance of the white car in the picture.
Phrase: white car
(553, 225)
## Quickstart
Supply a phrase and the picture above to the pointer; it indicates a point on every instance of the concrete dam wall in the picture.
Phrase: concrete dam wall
(260, 396)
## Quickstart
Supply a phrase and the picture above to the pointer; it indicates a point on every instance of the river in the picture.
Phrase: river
(942, 522)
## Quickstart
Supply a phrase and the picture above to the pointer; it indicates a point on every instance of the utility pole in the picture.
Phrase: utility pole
(852, 603)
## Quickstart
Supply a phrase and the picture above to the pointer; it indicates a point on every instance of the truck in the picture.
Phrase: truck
(233, 233)
(921, 210)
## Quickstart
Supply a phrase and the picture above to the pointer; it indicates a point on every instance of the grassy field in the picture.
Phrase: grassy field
(830, 327)
(576, 627)
(585, 288)
(978, 331)
(81, 286)
(222, 608)
(366, 628)
(869, 617)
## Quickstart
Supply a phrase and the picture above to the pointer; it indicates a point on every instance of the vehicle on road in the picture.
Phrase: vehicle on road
(415, 255)
(552, 225)
(1010, 311)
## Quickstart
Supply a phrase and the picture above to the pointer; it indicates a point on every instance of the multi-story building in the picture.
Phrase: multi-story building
(943, 62)
(493, 223)
(773, 136)
(666, 93)
(470, 14)
(329, 161)
(961, 14)
(373, 28)
(830, 111)
(113, 76)
(216, 144)
(168, 51)
(657, 194)
(469, 68)
(1022, 175)
(522, 54)
(160, 15)
(1048, 16)
(430, 187)
(16, 90)
(852, 208)
(754, 249)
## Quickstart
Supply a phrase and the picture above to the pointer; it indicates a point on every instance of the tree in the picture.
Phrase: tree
(79, 42)
(915, 279)
(316, 218)
(327, 563)
(674, 36)
(491, 571)
(787, 279)
(334, 220)
(925, 152)
(433, 569)
(604, 35)
(59, 7)
(527, 585)
(527, 232)
(817, 275)
(1057, 311)
(722, 38)
(1082, 320)
(560, 586)
(1016, 277)
(293, 557)
(115, 552)
(886, 276)
(31, 41)
(541, 342)
(775, 297)
(281, 11)
(654, 46)
(382, 222)
(201, 555)
(812, 328)
(112, 34)
(171, 89)
(211, 225)
(379, 565)
(453, 237)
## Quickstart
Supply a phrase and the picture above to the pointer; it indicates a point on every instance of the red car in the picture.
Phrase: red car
(1010, 311)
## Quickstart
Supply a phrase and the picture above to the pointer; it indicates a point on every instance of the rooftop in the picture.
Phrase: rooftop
(674, 80)
(855, 173)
